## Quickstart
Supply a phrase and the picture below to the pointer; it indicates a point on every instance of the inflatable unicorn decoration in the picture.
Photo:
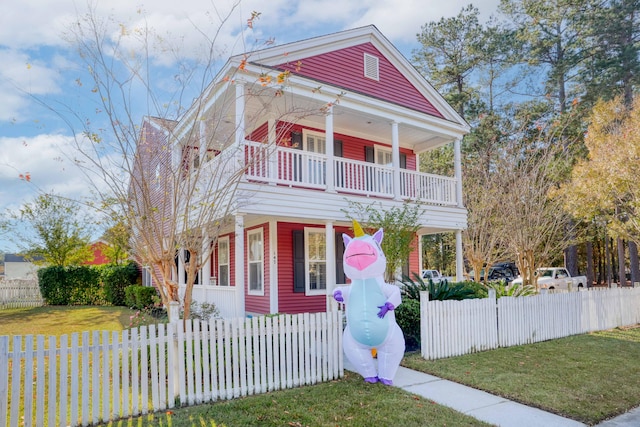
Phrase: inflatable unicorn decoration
(370, 302)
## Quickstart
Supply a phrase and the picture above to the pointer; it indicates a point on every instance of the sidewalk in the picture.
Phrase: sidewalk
(487, 407)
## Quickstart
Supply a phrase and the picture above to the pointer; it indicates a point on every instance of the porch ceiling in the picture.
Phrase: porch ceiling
(371, 121)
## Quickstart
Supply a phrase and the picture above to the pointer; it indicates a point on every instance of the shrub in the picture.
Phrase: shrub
(140, 297)
(53, 285)
(504, 290)
(438, 291)
(115, 279)
(203, 311)
(408, 318)
(74, 285)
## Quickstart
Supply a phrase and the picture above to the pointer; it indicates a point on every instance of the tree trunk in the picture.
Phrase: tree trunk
(608, 261)
(571, 260)
(590, 270)
(633, 263)
(622, 273)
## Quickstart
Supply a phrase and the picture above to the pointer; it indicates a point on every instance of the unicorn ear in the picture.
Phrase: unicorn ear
(346, 239)
(378, 236)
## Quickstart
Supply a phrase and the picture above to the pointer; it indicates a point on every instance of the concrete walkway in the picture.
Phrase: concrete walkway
(487, 407)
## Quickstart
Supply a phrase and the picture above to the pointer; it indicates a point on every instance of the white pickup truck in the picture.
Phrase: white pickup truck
(556, 278)
(435, 276)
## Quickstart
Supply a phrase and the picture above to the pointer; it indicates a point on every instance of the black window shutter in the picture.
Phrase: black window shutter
(337, 148)
(403, 161)
(340, 277)
(298, 261)
(369, 155)
(296, 140)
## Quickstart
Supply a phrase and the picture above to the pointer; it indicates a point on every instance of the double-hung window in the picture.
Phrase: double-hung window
(255, 249)
(223, 261)
(315, 261)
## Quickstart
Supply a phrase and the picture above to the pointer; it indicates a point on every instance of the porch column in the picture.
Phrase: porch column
(329, 178)
(273, 270)
(272, 150)
(395, 159)
(330, 254)
(239, 111)
(457, 164)
(205, 272)
(459, 257)
(239, 264)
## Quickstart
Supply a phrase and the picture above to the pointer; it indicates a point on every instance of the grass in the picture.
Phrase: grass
(588, 378)
(60, 320)
(345, 402)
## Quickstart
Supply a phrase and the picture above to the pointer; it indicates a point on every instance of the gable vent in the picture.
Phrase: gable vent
(371, 68)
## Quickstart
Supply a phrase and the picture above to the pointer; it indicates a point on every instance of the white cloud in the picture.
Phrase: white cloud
(22, 75)
(42, 158)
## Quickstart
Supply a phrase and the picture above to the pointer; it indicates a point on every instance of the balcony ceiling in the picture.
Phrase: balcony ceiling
(347, 119)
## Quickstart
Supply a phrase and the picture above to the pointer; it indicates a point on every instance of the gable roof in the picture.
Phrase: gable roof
(337, 58)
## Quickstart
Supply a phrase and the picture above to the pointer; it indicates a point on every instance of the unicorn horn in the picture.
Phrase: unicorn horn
(357, 229)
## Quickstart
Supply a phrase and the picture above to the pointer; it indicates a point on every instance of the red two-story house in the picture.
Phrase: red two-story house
(350, 124)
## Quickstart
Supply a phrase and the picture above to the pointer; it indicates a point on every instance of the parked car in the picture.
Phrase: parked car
(506, 271)
(435, 276)
(556, 278)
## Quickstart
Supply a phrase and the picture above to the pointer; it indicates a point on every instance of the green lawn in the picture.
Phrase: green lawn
(345, 402)
(588, 377)
(60, 320)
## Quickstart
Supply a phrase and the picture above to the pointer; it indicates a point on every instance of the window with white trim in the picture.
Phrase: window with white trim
(315, 261)
(147, 278)
(223, 261)
(255, 251)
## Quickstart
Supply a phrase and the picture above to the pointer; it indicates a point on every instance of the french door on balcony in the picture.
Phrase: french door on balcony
(310, 165)
(316, 170)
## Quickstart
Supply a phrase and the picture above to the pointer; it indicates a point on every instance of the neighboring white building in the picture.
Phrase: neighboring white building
(16, 267)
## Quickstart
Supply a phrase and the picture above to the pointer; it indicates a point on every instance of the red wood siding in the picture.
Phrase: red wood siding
(345, 68)
(414, 259)
(289, 301)
(352, 146)
(260, 134)
(255, 303)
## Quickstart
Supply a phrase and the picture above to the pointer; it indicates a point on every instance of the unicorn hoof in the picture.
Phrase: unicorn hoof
(386, 381)
(371, 380)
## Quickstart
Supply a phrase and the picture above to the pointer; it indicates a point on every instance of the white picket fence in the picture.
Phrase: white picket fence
(94, 377)
(19, 293)
(453, 328)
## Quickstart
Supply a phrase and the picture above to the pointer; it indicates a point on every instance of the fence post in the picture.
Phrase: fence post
(4, 377)
(174, 321)
(424, 300)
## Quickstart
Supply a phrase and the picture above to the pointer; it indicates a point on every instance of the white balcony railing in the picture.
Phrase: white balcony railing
(298, 168)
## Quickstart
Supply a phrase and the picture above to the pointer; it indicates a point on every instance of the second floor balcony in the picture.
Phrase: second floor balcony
(276, 165)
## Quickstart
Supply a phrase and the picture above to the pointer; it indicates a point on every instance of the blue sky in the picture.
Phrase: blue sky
(37, 62)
